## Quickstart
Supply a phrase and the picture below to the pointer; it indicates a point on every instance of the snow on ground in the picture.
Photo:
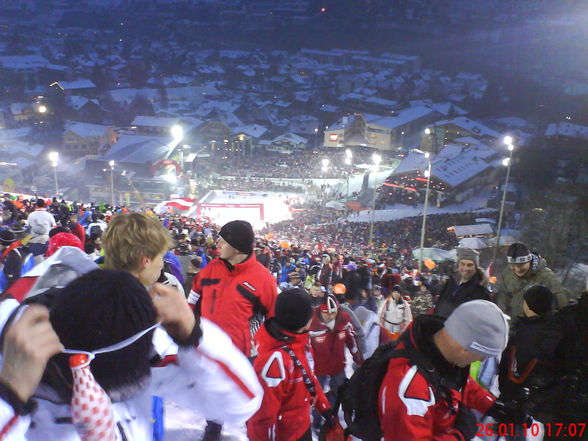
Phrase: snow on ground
(400, 211)
(276, 208)
(185, 425)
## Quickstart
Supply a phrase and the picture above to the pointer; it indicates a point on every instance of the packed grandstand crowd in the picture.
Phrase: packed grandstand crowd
(296, 165)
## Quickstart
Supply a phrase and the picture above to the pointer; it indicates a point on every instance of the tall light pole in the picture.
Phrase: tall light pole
(54, 158)
(348, 161)
(111, 163)
(377, 159)
(178, 134)
(428, 176)
(325, 168)
(507, 163)
(316, 137)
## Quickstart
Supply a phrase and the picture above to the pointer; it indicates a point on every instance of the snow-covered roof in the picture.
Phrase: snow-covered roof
(140, 149)
(155, 121)
(74, 85)
(415, 160)
(471, 126)
(86, 130)
(401, 117)
(290, 137)
(454, 165)
(567, 129)
(23, 61)
(253, 130)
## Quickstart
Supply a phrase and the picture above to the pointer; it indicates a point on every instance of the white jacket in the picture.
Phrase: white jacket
(40, 221)
(214, 379)
(371, 330)
(394, 317)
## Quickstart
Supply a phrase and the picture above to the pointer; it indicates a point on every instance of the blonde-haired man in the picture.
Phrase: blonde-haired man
(136, 243)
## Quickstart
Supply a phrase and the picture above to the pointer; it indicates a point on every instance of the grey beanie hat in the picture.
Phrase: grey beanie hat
(479, 326)
(470, 254)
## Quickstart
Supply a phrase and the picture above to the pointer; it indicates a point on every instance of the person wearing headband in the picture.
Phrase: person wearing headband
(331, 331)
(525, 269)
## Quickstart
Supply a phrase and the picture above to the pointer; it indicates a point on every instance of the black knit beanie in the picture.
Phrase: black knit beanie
(238, 234)
(539, 299)
(293, 309)
(99, 309)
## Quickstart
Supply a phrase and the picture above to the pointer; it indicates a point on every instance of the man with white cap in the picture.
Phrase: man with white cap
(427, 393)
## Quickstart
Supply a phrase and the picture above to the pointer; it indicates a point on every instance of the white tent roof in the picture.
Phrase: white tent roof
(472, 242)
(472, 230)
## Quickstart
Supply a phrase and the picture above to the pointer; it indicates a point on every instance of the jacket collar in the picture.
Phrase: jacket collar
(271, 336)
(420, 336)
(247, 263)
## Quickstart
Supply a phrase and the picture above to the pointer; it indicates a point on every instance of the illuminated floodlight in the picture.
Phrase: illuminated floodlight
(177, 132)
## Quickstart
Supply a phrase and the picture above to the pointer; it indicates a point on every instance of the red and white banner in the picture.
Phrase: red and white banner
(182, 204)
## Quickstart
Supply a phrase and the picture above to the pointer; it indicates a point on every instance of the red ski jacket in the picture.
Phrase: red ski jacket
(408, 408)
(236, 298)
(284, 414)
(328, 345)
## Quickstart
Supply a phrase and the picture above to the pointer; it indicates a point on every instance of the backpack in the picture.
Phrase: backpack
(359, 395)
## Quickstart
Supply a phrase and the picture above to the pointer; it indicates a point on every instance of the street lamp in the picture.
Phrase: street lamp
(111, 163)
(377, 159)
(433, 132)
(316, 137)
(507, 162)
(428, 176)
(54, 158)
(42, 108)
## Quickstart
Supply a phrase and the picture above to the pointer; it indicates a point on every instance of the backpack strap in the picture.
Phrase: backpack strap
(307, 380)
(426, 368)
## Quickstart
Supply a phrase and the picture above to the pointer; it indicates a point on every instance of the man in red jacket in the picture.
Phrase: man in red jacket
(285, 370)
(330, 331)
(431, 399)
(235, 292)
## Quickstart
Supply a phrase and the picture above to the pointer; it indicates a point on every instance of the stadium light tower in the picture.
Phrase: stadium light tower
(377, 160)
(348, 162)
(54, 158)
(426, 206)
(177, 132)
(507, 162)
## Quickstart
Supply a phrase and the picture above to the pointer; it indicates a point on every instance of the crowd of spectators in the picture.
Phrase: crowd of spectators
(302, 164)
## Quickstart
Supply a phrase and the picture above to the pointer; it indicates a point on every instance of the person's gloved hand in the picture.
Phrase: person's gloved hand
(329, 418)
(510, 412)
(465, 423)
